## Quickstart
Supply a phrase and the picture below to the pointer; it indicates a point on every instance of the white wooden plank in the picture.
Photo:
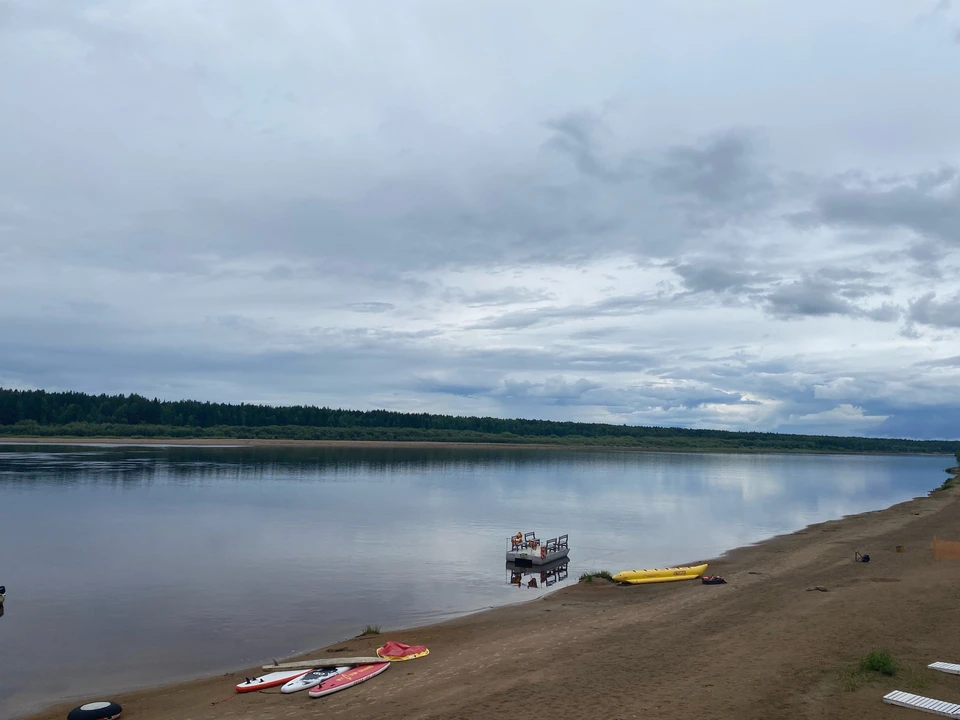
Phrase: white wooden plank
(952, 668)
(324, 662)
(924, 704)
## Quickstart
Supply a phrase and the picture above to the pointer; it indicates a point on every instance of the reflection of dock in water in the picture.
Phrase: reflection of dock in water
(537, 576)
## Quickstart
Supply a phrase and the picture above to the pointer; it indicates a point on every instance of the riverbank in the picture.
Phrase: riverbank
(765, 645)
(425, 444)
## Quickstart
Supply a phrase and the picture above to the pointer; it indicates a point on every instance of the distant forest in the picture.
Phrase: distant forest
(37, 413)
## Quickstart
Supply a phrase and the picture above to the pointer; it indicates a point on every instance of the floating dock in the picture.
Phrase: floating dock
(528, 550)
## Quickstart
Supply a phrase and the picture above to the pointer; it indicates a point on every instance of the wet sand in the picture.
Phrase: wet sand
(765, 645)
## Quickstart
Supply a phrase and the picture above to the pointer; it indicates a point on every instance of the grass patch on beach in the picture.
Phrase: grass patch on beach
(879, 661)
(874, 666)
(589, 576)
(371, 630)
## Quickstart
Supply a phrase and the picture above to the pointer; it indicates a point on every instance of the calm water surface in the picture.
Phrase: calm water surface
(131, 566)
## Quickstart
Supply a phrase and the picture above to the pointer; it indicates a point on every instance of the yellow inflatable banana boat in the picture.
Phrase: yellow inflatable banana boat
(654, 575)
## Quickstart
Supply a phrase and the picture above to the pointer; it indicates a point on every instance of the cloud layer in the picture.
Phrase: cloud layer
(653, 213)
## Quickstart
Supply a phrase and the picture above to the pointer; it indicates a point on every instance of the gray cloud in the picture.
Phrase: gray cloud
(926, 203)
(827, 291)
(811, 297)
(498, 297)
(640, 203)
(886, 312)
(841, 274)
(371, 307)
(830, 291)
(926, 252)
(927, 310)
(929, 255)
(942, 362)
(724, 172)
(713, 277)
(555, 390)
(575, 136)
(808, 297)
(614, 306)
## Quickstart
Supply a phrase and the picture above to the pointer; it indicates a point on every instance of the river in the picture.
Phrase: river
(129, 566)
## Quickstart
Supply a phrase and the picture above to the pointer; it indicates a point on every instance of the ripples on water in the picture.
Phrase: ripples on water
(134, 565)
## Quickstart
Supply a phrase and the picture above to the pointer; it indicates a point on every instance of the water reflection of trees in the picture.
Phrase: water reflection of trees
(144, 464)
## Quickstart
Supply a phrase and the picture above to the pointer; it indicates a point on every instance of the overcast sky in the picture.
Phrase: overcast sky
(736, 214)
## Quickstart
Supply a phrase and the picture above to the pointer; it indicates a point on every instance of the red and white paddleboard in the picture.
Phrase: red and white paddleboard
(269, 680)
(348, 678)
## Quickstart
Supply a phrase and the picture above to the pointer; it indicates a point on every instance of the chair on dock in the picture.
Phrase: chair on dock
(924, 704)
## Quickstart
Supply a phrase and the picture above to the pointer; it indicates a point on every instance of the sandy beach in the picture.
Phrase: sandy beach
(765, 645)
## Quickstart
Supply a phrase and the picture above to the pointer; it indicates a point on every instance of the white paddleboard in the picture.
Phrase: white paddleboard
(269, 680)
(312, 678)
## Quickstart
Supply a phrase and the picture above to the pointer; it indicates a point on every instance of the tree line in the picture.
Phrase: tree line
(42, 413)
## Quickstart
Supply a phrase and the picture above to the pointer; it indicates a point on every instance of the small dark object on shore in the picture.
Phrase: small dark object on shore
(101, 710)
(821, 588)
(754, 572)
(857, 557)
(713, 580)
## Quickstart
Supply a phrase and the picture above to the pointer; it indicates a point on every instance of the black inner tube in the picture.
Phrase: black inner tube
(95, 711)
